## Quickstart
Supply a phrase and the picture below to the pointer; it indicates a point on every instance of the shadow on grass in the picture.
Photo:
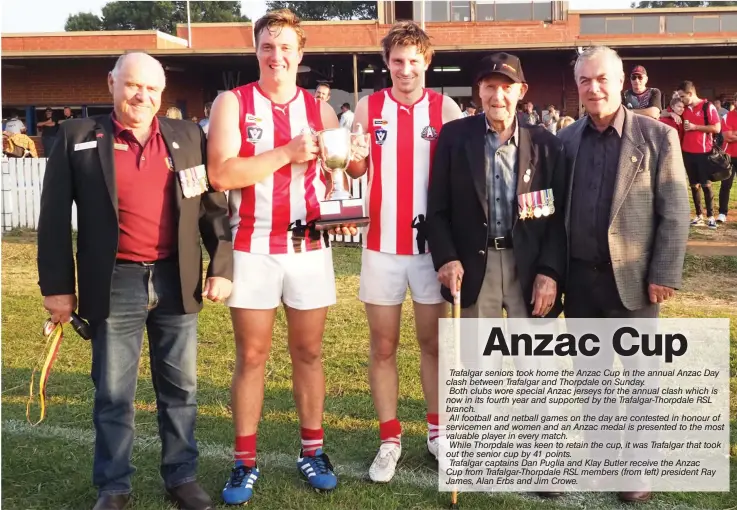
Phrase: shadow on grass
(70, 398)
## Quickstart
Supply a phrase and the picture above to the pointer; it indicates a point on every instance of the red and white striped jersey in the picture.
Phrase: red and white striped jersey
(403, 140)
(262, 215)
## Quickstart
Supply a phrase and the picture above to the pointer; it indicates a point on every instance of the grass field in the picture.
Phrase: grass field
(49, 466)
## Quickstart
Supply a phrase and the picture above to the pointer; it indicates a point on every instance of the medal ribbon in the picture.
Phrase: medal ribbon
(54, 334)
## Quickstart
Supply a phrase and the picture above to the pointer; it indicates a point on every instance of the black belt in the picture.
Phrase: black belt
(143, 263)
(499, 243)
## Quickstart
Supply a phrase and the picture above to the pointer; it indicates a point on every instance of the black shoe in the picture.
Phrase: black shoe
(112, 502)
(190, 496)
(550, 494)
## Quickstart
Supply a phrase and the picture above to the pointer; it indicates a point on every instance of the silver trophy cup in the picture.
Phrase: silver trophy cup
(335, 153)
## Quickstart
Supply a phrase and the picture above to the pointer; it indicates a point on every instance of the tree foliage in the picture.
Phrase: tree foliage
(83, 22)
(162, 16)
(322, 11)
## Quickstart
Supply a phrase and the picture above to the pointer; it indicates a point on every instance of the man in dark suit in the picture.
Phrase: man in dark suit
(495, 204)
(143, 203)
(627, 218)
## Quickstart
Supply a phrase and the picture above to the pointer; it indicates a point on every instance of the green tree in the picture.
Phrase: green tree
(162, 16)
(322, 11)
(83, 21)
(673, 4)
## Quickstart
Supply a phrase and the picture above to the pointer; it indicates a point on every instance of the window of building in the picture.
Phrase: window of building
(646, 24)
(460, 11)
(626, 24)
(678, 23)
(100, 110)
(706, 24)
(619, 25)
(542, 11)
(513, 11)
(729, 22)
(434, 11)
(593, 25)
(484, 11)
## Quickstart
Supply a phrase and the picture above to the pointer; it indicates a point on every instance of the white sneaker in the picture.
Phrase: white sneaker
(698, 221)
(385, 463)
(722, 218)
(712, 223)
(432, 447)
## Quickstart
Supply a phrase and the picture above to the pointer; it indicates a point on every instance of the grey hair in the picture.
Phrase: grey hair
(598, 51)
(121, 60)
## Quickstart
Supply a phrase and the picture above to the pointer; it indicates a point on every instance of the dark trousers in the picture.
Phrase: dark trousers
(48, 144)
(725, 189)
(144, 296)
(698, 173)
(592, 293)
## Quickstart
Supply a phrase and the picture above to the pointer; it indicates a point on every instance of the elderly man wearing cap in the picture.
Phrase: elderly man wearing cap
(641, 98)
(494, 204)
(494, 210)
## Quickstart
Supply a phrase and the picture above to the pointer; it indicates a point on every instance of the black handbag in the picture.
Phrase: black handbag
(720, 163)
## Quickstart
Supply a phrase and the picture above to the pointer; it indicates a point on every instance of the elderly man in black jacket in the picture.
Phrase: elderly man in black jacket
(495, 204)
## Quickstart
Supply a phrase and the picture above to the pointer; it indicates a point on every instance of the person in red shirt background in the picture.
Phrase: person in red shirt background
(729, 131)
(698, 139)
(676, 108)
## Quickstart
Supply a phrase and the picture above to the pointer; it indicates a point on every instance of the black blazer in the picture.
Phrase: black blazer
(457, 207)
(87, 177)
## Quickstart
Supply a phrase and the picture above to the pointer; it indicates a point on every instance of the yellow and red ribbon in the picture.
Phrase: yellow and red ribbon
(54, 334)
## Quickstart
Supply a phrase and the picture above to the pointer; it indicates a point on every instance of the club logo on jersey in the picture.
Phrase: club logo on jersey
(254, 133)
(429, 133)
(380, 122)
(252, 118)
(380, 136)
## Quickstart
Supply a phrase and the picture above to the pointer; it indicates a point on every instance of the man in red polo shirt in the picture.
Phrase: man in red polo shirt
(729, 131)
(143, 206)
(700, 124)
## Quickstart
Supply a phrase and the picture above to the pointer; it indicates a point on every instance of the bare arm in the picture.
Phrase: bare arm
(451, 110)
(653, 112)
(226, 170)
(712, 128)
(730, 136)
(357, 168)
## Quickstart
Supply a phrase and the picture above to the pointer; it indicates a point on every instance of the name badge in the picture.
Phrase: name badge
(536, 204)
(120, 147)
(193, 181)
(85, 145)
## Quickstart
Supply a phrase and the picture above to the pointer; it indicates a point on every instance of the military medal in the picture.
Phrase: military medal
(201, 176)
(538, 210)
(193, 181)
(522, 207)
(546, 202)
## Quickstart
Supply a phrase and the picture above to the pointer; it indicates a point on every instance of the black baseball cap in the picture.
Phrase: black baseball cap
(501, 63)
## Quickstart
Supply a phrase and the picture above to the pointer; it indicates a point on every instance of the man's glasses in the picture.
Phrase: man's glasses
(634, 77)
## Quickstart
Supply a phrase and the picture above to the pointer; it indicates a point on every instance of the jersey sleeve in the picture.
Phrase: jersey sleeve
(713, 115)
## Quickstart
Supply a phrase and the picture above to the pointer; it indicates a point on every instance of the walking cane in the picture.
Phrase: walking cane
(457, 351)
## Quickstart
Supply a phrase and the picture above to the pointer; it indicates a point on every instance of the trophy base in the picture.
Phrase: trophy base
(334, 213)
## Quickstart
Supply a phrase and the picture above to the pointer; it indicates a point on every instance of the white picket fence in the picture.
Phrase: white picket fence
(22, 180)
